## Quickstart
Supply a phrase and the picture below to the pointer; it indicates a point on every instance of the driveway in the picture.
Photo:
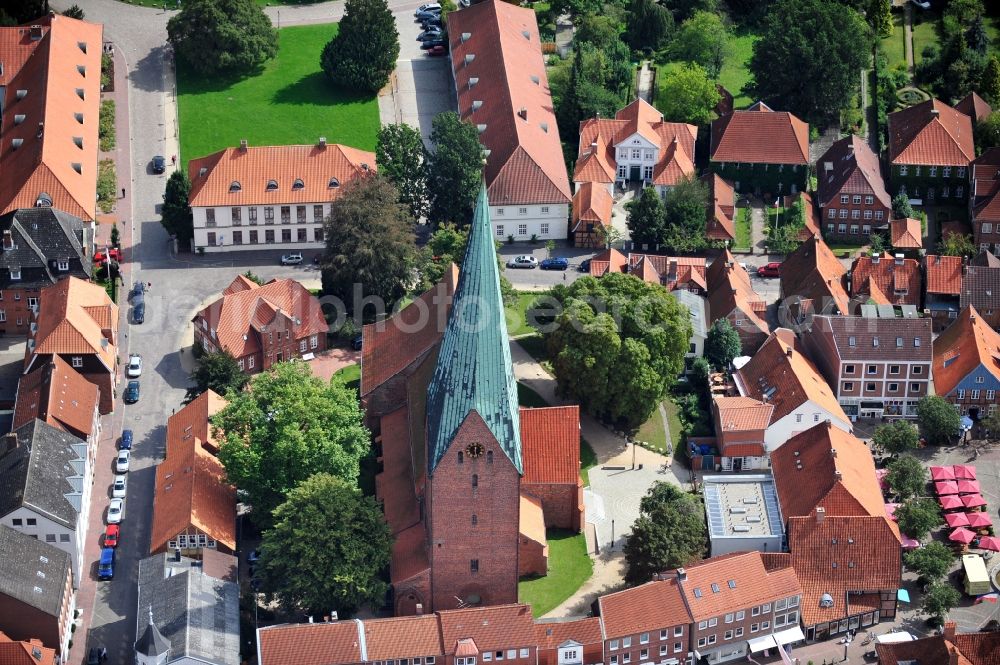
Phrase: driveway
(422, 85)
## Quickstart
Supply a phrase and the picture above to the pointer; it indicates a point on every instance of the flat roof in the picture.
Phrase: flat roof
(743, 506)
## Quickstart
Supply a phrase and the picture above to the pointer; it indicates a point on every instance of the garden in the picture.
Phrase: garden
(569, 567)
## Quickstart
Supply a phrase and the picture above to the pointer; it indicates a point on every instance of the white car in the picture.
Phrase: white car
(134, 366)
(525, 261)
(291, 259)
(430, 6)
(121, 464)
(116, 509)
(119, 487)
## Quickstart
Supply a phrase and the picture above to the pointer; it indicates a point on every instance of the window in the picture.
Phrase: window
(237, 213)
(945, 191)
(613, 645)
(63, 537)
(987, 227)
(914, 387)
(728, 635)
(854, 227)
(252, 214)
(852, 341)
(702, 641)
(857, 199)
(879, 214)
(250, 362)
(31, 521)
(461, 457)
(644, 638)
(740, 615)
(980, 379)
(237, 237)
(875, 342)
(991, 395)
(614, 660)
(545, 210)
(916, 341)
(975, 394)
(644, 654)
(961, 394)
(523, 653)
(522, 229)
(50, 537)
(286, 235)
(868, 214)
(893, 387)
(959, 192)
(473, 565)
(647, 172)
(500, 212)
(318, 213)
(302, 346)
(843, 213)
(872, 369)
(663, 649)
(869, 200)
(894, 369)
(961, 171)
(268, 214)
(832, 214)
(318, 234)
(487, 656)
(870, 387)
(545, 228)
(500, 230)
(210, 216)
(678, 646)
(511, 654)
(475, 519)
(475, 480)
(754, 611)
(301, 234)
(946, 171)
(711, 639)
(314, 341)
(253, 237)
(729, 618)
(739, 632)
(754, 627)
(522, 211)
(916, 370)
(713, 622)
(702, 625)
(626, 642)
(211, 238)
(844, 199)
(300, 214)
(77, 361)
(902, 170)
(626, 657)
(286, 214)
(848, 369)
(63, 265)
(932, 172)
(636, 154)
(765, 625)
(842, 228)
(798, 417)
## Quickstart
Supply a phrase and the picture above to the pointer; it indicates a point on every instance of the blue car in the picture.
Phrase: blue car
(555, 264)
(106, 567)
(131, 392)
(126, 442)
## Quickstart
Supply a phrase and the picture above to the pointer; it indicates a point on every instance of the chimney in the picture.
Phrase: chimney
(829, 423)
(949, 630)
(10, 442)
(972, 316)
(899, 259)
(875, 258)
(243, 145)
(419, 609)
(935, 113)
(681, 575)
(177, 554)
(41, 130)
(838, 475)
(523, 113)
(322, 142)
(820, 513)
(8, 239)
(833, 453)
(788, 352)
(952, 655)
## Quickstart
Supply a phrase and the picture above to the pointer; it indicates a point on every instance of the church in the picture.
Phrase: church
(469, 481)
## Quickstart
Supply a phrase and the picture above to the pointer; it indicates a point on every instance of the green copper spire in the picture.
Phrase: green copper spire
(474, 371)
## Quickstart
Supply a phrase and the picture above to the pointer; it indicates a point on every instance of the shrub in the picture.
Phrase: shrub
(107, 185)
(106, 126)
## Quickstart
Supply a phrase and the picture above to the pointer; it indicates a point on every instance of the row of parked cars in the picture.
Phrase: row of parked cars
(116, 509)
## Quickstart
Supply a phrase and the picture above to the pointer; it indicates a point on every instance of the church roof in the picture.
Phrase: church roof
(152, 642)
(474, 371)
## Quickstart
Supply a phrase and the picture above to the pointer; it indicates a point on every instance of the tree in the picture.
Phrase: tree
(74, 11)
(286, 427)
(400, 156)
(594, 82)
(722, 344)
(363, 53)
(454, 169)
(669, 533)
(370, 248)
(685, 9)
(939, 421)
(907, 476)
(216, 371)
(253, 277)
(880, 17)
(956, 244)
(175, 214)
(213, 36)
(917, 517)
(901, 207)
(23, 11)
(601, 32)
(897, 437)
(647, 218)
(648, 26)
(687, 94)
(939, 599)
(684, 210)
(327, 548)
(987, 132)
(931, 562)
(617, 346)
(700, 372)
(808, 57)
(990, 86)
(703, 39)
(116, 235)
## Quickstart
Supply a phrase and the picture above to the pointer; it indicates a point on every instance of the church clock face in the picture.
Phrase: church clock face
(474, 450)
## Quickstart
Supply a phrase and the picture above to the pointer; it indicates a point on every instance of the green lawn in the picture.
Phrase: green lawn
(894, 45)
(350, 375)
(535, 346)
(588, 460)
(845, 251)
(652, 433)
(924, 34)
(289, 101)
(529, 398)
(674, 423)
(517, 315)
(569, 567)
(736, 71)
(743, 230)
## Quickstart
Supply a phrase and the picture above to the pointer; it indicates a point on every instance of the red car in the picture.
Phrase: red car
(111, 535)
(437, 50)
(772, 269)
(114, 253)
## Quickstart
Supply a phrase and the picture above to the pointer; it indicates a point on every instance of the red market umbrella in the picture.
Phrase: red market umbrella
(968, 486)
(946, 487)
(989, 543)
(962, 535)
(890, 510)
(973, 500)
(956, 520)
(967, 471)
(942, 473)
(951, 502)
(880, 475)
(978, 520)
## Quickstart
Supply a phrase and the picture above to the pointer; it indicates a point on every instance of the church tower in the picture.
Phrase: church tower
(152, 648)
(474, 461)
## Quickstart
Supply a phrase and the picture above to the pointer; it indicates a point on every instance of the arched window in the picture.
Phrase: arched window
(298, 184)
(334, 183)
(475, 480)
(489, 457)
(461, 457)
(475, 520)
(272, 185)
(235, 186)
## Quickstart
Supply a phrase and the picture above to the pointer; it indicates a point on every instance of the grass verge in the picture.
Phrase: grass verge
(517, 314)
(106, 126)
(288, 101)
(894, 45)
(735, 72)
(845, 251)
(588, 460)
(674, 424)
(744, 232)
(350, 375)
(653, 434)
(107, 185)
(529, 398)
(569, 567)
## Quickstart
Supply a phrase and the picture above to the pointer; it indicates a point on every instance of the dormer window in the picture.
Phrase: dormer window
(18, 118)
(62, 265)
(235, 186)
(272, 185)
(334, 183)
(298, 184)
(15, 273)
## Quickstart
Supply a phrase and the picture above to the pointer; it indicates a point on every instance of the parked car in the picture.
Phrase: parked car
(772, 269)
(122, 461)
(126, 441)
(292, 259)
(427, 6)
(555, 263)
(114, 253)
(430, 34)
(105, 571)
(440, 49)
(97, 655)
(434, 21)
(426, 14)
(523, 262)
(139, 313)
(131, 392)
(115, 511)
(159, 164)
(431, 43)
(138, 289)
(134, 366)
(585, 265)
(111, 534)
(119, 486)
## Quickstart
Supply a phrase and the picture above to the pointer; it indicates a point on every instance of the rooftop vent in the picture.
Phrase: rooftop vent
(828, 166)
(18, 118)
(545, 127)
(235, 186)
(826, 600)
(466, 36)
(35, 32)
(78, 117)
(83, 46)
(333, 183)
(202, 171)
(741, 528)
(78, 140)
(899, 259)
(82, 69)
(80, 93)
(473, 80)
(271, 185)
(480, 128)
(469, 57)
(477, 104)
(875, 257)
(322, 142)
(243, 145)
(41, 130)
(43, 200)
(535, 79)
(526, 34)
(298, 184)
(21, 94)
(77, 166)
(523, 113)
(16, 143)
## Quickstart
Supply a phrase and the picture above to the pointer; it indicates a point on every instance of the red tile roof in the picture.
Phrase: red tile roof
(647, 607)
(551, 634)
(193, 421)
(55, 123)
(721, 208)
(394, 484)
(760, 136)
(610, 260)
(336, 643)
(986, 186)
(966, 648)
(730, 290)
(600, 137)
(60, 396)
(550, 444)
(243, 313)
(254, 166)
(23, 652)
(898, 279)
(906, 233)
(753, 584)
(402, 637)
(968, 343)
(498, 45)
(930, 133)
(850, 167)
(77, 317)
(495, 627)
(592, 204)
(813, 273)
(974, 106)
(742, 414)
(671, 271)
(390, 346)
(944, 274)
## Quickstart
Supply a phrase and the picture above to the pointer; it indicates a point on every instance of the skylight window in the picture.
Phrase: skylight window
(272, 185)
(235, 186)
(298, 184)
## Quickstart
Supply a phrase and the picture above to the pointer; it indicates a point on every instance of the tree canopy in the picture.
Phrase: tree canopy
(917, 517)
(287, 426)
(955, 63)
(454, 169)
(213, 36)
(175, 214)
(217, 371)
(901, 206)
(939, 421)
(327, 548)
(648, 26)
(363, 53)
(879, 16)
(705, 40)
(684, 209)
(369, 244)
(594, 82)
(688, 94)
(897, 437)
(400, 156)
(647, 219)
(990, 85)
(669, 533)
(957, 244)
(907, 476)
(808, 57)
(939, 599)
(618, 371)
(722, 344)
(931, 562)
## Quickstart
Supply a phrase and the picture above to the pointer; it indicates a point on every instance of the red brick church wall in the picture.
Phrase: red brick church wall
(533, 558)
(562, 503)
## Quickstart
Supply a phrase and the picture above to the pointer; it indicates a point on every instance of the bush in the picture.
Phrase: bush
(107, 70)
(107, 185)
(106, 126)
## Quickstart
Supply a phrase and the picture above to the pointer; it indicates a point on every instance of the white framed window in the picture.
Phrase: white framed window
(627, 657)
(832, 214)
(522, 211)
(702, 625)
(946, 171)
(729, 618)
(15, 273)
(250, 362)
(868, 214)
(522, 229)
(754, 627)
(500, 233)
(857, 199)
(991, 395)
(739, 632)
(879, 214)
(626, 642)
(764, 625)
(766, 608)
(77, 361)
(523, 653)
(302, 346)
(855, 214)
(644, 638)
(678, 647)
(980, 379)
(842, 228)
(678, 631)
(987, 227)
(869, 200)
(713, 622)
(664, 634)
(728, 635)
(545, 210)
(843, 213)
(702, 641)
(636, 153)
(622, 172)
(740, 615)
(545, 228)
(755, 611)
(975, 394)
(623, 153)
(172, 544)
(844, 199)
(647, 155)
(932, 171)
(647, 172)
(712, 639)
(614, 660)
(314, 341)
(613, 645)
(903, 169)
(961, 394)
(663, 649)
(644, 654)
(854, 228)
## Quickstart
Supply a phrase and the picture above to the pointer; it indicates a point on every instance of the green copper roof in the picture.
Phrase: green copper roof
(474, 371)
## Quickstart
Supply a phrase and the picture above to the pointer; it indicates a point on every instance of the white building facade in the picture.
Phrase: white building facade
(530, 222)
(802, 417)
(235, 228)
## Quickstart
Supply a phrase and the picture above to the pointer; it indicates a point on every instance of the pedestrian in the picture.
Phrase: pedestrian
(123, 192)
(149, 286)
(564, 277)
(173, 159)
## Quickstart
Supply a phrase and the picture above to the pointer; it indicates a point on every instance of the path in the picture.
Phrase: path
(908, 37)
(564, 34)
(644, 82)
(758, 220)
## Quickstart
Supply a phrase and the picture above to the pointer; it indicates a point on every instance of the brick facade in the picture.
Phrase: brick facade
(663, 645)
(850, 217)
(16, 310)
(563, 504)
(532, 556)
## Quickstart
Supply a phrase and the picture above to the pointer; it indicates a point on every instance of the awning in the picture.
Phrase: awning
(903, 595)
(789, 635)
(760, 643)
